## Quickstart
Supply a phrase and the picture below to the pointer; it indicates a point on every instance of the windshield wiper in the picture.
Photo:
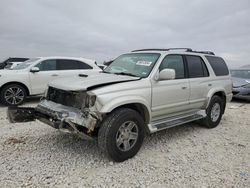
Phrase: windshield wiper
(106, 72)
(121, 73)
(126, 73)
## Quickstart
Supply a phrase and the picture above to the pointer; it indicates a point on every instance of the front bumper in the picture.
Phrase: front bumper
(64, 118)
(241, 93)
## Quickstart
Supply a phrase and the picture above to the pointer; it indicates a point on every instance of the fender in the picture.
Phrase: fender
(212, 91)
(20, 83)
(119, 101)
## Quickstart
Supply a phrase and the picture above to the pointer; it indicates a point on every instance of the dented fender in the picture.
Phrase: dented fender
(212, 92)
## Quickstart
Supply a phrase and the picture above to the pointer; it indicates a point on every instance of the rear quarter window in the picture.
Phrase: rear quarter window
(218, 65)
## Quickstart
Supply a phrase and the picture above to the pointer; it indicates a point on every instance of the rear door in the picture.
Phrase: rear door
(199, 83)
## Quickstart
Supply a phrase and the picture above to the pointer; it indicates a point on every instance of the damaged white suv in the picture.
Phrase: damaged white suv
(139, 92)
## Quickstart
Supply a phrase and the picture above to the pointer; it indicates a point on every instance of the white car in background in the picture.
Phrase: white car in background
(11, 65)
(32, 76)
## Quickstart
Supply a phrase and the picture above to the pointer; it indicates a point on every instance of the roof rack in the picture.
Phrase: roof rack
(204, 52)
(151, 49)
(168, 49)
(186, 49)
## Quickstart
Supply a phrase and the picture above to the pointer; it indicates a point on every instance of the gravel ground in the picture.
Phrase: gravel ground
(36, 155)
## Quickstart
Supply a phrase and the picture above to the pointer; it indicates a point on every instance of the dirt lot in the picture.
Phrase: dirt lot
(35, 155)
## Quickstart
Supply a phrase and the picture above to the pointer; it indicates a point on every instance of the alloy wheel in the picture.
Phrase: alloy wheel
(127, 136)
(14, 95)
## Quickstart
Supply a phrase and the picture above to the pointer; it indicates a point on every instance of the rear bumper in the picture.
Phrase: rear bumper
(66, 119)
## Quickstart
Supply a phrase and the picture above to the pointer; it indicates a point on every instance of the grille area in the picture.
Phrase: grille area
(68, 98)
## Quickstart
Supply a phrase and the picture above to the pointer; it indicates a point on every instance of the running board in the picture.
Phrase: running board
(169, 122)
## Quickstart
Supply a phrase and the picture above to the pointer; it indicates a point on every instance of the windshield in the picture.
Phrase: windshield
(134, 64)
(8, 66)
(25, 64)
(240, 74)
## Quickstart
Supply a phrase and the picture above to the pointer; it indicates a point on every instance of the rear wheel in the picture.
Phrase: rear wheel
(13, 95)
(121, 134)
(214, 112)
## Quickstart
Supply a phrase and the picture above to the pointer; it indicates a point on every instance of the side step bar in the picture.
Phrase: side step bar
(175, 121)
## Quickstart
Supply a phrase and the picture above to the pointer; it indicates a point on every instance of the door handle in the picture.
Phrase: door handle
(54, 75)
(184, 87)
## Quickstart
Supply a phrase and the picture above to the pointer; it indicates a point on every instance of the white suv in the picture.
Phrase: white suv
(143, 91)
(32, 76)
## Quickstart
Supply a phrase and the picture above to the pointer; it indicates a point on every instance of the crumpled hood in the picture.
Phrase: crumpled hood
(238, 82)
(77, 83)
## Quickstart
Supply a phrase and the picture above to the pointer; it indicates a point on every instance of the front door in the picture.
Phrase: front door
(47, 72)
(171, 96)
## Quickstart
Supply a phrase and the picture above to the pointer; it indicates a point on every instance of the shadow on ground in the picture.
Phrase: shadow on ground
(29, 101)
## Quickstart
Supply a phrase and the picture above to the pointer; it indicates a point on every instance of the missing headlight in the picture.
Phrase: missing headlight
(90, 101)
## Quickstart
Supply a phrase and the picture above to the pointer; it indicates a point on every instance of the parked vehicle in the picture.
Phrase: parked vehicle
(107, 63)
(101, 66)
(241, 83)
(144, 91)
(12, 59)
(245, 67)
(32, 76)
(11, 65)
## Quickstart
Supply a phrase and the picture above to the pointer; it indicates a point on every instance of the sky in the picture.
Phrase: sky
(103, 30)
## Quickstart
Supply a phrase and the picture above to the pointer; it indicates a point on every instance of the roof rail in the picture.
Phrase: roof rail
(168, 49)
(150, 49)
(204, 52)
(186, 49)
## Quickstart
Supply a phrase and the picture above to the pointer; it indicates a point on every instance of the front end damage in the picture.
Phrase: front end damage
(66, 111)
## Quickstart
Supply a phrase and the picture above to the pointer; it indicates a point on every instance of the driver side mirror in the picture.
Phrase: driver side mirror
(167, 74)
(34, 69)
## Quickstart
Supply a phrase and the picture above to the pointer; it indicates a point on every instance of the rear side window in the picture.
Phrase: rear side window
(196, 67)
(66, 64)
(84, 65)
(219, 66)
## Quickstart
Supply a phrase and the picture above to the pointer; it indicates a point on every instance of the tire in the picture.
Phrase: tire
(214, 112)
(13, 95)
(114, 137)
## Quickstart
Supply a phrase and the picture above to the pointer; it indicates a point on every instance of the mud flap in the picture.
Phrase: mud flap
(21, 114)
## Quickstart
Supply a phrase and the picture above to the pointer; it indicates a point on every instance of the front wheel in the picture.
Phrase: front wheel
(121, 134)
(13, 95)
(214, 112)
